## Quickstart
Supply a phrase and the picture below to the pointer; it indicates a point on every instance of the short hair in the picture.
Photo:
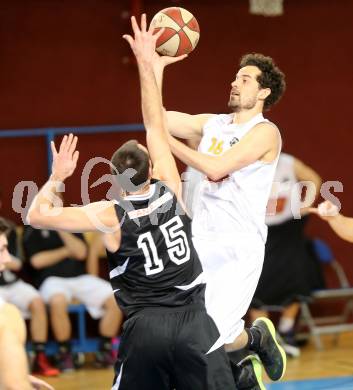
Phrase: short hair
(271, 76)
(4, 226)
(131, 165)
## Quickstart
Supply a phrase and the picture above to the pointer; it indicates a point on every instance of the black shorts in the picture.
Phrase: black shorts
(166, 349)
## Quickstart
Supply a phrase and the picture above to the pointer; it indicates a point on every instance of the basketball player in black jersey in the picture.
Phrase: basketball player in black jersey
(155, 272)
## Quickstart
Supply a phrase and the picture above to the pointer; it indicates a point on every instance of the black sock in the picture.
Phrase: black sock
(254, 338)
(38, 347)
(105, 343)
(64, 346)
(237, 356)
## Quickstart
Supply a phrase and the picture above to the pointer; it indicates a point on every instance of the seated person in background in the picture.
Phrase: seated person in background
(96, 251)
(341, 225)
(60, 273)
(28, 300)
(13, 360)
(286, 247)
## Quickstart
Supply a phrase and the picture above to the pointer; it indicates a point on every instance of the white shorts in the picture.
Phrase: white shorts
(232, 269)
(88, 289)
(20, 294)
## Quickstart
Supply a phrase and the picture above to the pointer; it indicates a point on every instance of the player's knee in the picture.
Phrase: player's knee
(110, 304)
(58, 302)
(37, 305)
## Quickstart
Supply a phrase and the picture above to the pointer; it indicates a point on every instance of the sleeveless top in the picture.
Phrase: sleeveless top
(238, 203)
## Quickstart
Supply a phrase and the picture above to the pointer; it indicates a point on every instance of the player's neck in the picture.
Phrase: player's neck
(246, 115)
(145, 189)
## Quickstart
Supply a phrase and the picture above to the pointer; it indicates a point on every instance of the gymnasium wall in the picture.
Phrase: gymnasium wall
(63, 63)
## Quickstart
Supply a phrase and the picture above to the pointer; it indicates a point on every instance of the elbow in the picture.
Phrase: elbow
(216, 174)
(32, 217)
(213, 176)
(35, 219)
(36, 263)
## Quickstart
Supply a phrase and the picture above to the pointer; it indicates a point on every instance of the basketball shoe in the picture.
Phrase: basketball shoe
(42, 366)
(271, 354)
(248, 374)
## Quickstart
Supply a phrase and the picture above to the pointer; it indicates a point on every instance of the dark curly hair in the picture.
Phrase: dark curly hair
(270, 77)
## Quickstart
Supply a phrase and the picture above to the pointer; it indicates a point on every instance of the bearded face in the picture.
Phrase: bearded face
(245, 89)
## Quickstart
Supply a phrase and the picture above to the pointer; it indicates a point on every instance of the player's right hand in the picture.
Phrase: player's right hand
(160, 62)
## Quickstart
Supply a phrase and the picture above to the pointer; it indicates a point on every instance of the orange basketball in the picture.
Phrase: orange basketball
(181, 34)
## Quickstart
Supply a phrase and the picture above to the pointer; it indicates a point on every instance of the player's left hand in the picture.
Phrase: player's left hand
(38, 384)
(64, 160)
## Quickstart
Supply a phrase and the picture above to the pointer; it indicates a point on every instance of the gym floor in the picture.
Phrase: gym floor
(331, 368)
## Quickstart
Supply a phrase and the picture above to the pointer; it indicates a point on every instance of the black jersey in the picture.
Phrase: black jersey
(40, 240)
(156, 264)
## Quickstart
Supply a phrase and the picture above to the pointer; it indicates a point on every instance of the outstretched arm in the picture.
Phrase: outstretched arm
(178, 124)
(341, 225)
(46, 210)
(143, 45)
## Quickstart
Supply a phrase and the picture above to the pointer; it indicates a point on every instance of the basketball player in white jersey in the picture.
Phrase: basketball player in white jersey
(13, 360)
(238, 154)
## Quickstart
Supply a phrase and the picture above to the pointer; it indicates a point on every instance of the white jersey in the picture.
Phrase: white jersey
(285, 199)
(191, 179)
(237, 203)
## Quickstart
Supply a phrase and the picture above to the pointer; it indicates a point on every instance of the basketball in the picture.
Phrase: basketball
(181, 33)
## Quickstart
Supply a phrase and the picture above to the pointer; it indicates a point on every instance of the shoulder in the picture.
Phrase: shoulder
(267, 130)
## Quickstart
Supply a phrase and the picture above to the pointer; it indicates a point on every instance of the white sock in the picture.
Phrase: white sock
(285, 324)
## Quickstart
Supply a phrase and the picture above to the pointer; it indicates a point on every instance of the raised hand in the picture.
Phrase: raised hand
(325, 210)
(143, 44)
(64, 160)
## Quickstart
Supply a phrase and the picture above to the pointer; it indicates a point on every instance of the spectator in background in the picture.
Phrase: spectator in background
(286, 251)
(28, 300)
(13, 361)
(96, 251)
(60, 273)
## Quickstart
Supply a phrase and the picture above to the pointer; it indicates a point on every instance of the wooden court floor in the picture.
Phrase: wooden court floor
(333, 361)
